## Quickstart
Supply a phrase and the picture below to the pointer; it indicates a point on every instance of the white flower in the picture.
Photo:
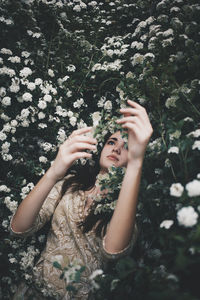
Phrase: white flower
(173, 150)
(7, 127)
(51, 73)
(171, 101)
(14, 88)
(137, 59)
(195, 133)
(166, 224)
(41, 115)
(73, 121)
(168, 32)
(2, 91)
(6, 51)
(31, 86)
(3, 136)
(27, 97)
(25, 123)
(149, 55)
(14, 59)
(42, 104)
(4, 188)
(6, 101)
(187, 216)
(137, 45)
(77, 8)
(25, 113)
(5, 147)
(38, 81)
(71, 68)
(42, 125)
(193, 188)
(95, 274)
(47, 98)
(61, 135)
(25, 72)
(43, 159)
(196, 145)
(11, 205)
(25, 54)
(176, 189)
(12, 260)
(108, 105)
(46, 146)
(96, 117)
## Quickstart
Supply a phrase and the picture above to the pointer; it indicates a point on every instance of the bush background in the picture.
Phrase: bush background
(86, 57)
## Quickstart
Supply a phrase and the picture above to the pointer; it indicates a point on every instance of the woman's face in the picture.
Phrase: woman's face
(114, 153)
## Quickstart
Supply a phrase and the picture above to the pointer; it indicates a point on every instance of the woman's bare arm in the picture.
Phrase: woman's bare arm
(120, 229)
(30, 206)
(121, 226)
(72, 149)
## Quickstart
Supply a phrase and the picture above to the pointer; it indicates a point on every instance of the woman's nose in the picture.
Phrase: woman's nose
(117, 149)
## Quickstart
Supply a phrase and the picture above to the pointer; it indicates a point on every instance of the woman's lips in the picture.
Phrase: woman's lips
(112, 157)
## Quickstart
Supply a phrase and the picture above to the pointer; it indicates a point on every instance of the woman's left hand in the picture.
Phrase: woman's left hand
(139, 128)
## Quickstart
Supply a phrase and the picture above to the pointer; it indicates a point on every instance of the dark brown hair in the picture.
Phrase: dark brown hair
(84, 178)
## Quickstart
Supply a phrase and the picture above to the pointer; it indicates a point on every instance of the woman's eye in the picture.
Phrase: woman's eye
(111, 143)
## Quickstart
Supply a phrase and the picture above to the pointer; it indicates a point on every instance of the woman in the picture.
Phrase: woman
(66, 238)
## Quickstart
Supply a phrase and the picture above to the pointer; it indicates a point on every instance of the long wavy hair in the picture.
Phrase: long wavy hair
(84, 178)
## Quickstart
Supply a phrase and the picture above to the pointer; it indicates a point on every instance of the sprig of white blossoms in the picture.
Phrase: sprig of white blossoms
(110, 182)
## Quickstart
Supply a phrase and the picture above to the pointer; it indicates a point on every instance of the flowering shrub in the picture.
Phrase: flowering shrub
(65, 64)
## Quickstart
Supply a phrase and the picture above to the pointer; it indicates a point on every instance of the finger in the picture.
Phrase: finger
(140, 123)
(135, 104)
(78, 155)
(81, 131)
(127, 119)
(130, 111)
(86, 139)
(82, 146)
(131, 126)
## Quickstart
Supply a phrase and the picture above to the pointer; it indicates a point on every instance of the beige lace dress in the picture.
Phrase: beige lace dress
(67, 242)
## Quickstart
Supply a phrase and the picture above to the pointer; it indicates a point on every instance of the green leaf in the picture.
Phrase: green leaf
(57, 265)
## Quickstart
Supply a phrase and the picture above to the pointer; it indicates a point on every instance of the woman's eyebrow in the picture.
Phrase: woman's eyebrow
(113, 138)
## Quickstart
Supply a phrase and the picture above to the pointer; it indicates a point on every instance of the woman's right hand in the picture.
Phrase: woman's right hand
(72, 149)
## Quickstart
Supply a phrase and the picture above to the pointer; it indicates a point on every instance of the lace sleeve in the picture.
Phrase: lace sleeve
(125, 251)
(45, 212)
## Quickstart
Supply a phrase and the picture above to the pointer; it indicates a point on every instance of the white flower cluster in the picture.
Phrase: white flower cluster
(42, 159)
(4, 188)
(27, 260)
(171, 101)
(61, 136)
(26, 189)
(192, 187)
(11, 205)
(114, 46)
(173, 149)
(106, 66)
(196, 145)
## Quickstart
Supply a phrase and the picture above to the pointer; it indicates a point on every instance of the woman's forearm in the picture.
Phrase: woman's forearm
(30, 206)
(121, 226)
